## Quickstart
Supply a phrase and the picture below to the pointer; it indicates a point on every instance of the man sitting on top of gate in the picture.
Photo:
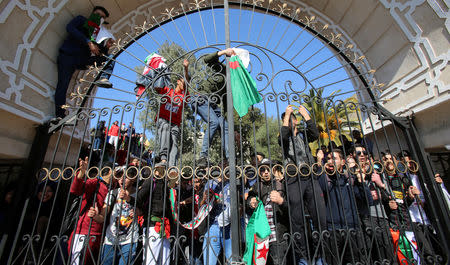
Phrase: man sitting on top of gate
(76, 53)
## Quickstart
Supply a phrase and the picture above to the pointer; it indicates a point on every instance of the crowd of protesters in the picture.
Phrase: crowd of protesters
(343, 205)
(119, 141)
(346, 204)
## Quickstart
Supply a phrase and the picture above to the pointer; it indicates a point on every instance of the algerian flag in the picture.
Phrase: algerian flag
(257, 237)
(92, 26)
(405, 246)
(243, 87)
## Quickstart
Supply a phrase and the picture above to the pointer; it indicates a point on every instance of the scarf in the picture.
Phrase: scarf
(92, 26)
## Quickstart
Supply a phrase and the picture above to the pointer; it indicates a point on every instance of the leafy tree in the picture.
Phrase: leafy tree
(267, 139)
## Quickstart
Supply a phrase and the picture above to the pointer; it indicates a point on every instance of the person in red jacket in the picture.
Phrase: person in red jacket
(90, 222)
(169, 119)
(114, 134)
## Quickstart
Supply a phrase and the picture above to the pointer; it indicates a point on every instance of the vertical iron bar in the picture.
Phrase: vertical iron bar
(231, 152)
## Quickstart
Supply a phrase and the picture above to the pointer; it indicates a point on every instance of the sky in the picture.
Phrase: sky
(284, 46)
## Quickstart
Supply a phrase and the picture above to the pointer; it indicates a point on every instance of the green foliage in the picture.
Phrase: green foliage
(267, 139)
(333, 120)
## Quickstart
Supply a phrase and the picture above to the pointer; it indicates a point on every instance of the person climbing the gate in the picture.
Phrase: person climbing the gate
(301, 189)
(169, 120)
(209, 107)
(79, 50)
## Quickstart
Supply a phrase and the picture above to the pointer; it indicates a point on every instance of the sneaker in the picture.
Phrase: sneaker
(202, 162)
(104, 82)
(55, 120)
(60, 112)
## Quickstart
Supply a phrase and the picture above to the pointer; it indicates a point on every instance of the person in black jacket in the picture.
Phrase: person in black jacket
(406, 194)
(153, 202)
(342, 191)
(273, 195)
(302, 190)
(99, 135)
(75, 52)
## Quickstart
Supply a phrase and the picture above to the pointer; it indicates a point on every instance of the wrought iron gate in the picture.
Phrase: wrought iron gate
(310, 173)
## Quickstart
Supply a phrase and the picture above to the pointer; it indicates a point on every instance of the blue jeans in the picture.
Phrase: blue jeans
(211, 114)
(107, 70)
(216, 238)
(118, 254)
(67, 64)
(97, 142)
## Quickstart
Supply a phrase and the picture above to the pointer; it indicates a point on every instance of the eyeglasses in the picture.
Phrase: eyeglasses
(358, 153)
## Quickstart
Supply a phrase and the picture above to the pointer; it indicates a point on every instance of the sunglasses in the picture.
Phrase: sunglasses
(358, 153)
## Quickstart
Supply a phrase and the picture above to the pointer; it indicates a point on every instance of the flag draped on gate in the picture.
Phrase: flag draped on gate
(405, 246)
(243, 87)
(199, 217)
(257, 237)
(155, 73)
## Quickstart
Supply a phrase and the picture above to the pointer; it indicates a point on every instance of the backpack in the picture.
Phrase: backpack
(71, 219)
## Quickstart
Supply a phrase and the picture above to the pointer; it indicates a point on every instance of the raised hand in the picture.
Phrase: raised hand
(83, 167)
(377, 180)
(94, 48)
(185, 63)
(438, 178)
(227, 52)
(304, 112)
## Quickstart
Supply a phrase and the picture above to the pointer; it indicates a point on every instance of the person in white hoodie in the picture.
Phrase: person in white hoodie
(105, 41)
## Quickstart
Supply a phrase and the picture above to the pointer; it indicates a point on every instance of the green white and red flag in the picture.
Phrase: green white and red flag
(257, 237)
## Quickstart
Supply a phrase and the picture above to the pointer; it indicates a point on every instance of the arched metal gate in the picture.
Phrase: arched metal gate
(323, 185)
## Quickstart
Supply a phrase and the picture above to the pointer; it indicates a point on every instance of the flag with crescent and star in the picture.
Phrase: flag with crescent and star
(257, 237)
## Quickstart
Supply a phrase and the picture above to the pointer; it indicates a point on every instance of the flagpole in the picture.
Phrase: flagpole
(235, 223)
